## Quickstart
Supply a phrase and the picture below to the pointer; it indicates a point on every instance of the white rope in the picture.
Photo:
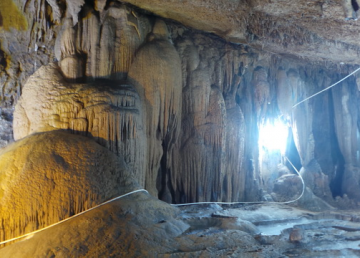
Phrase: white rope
(260, 202)
(336, 83)
(76, 215)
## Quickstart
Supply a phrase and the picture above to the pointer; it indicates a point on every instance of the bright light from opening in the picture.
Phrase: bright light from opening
(273, 136)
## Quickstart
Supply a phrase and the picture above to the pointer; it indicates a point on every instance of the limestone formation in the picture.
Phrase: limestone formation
(347, 132)
(111, 97)
(117, 229)
(47, 177)
(156, 73)
(210, 155)
(286, 95)
(107, 111)
(261, 91)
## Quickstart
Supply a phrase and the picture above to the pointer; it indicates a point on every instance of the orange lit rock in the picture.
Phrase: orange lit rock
(48, 177)
(107, 111)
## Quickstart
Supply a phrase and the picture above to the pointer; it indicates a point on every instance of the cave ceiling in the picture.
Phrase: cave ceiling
(313, 30)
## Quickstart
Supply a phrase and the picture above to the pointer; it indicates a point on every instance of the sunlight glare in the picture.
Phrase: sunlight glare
(273, 136)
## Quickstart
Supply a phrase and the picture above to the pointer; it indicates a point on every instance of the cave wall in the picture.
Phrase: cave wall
(198, 100)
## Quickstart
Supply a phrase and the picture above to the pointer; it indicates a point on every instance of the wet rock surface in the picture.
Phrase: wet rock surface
(279, 231)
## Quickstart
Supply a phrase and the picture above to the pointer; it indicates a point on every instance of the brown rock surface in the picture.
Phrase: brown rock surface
(135, 226)
(298, 28)
(156, 73)
(108, 111)
(47, 177)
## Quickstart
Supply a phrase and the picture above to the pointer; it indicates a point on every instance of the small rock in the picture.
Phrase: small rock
(296, 235)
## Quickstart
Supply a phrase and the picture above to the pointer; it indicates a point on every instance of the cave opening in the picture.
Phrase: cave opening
(273, 136)
(278, 155)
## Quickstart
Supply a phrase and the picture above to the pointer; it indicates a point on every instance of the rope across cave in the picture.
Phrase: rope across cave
(319, 92)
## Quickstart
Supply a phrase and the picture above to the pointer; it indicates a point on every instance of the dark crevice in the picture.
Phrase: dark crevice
(336, 180)
(163, 180)
(292, 153)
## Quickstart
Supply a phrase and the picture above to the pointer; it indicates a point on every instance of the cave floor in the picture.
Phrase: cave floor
(142, 226)
(281, 231)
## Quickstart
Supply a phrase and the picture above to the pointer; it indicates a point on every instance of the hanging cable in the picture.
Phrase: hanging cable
(336, 83)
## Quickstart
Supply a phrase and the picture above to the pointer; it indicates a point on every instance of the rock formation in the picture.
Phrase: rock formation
(47, 177)
(108, 111)
(156, 72)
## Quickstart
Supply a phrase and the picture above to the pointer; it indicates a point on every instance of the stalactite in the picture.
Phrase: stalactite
(346, 128)
(104, 110)
(285, 95)
(156, 72)
(302, 122)
(261, 92)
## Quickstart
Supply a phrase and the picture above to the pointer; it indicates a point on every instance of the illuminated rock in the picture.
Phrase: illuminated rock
(47, 177)
(107, 111)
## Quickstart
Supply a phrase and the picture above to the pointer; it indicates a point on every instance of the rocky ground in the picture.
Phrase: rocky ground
(141, 226)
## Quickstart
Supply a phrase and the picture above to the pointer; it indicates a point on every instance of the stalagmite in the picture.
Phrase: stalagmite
(199, 176)
(42, 182)
(107, 111)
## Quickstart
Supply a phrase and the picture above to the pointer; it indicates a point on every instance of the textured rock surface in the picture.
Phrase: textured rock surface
(50, 176)
(141, 226)
(117, 229)
(110, 112)
(156, 72)
(298, 28)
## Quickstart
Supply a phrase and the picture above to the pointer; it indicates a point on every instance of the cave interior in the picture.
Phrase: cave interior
(231, 118)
